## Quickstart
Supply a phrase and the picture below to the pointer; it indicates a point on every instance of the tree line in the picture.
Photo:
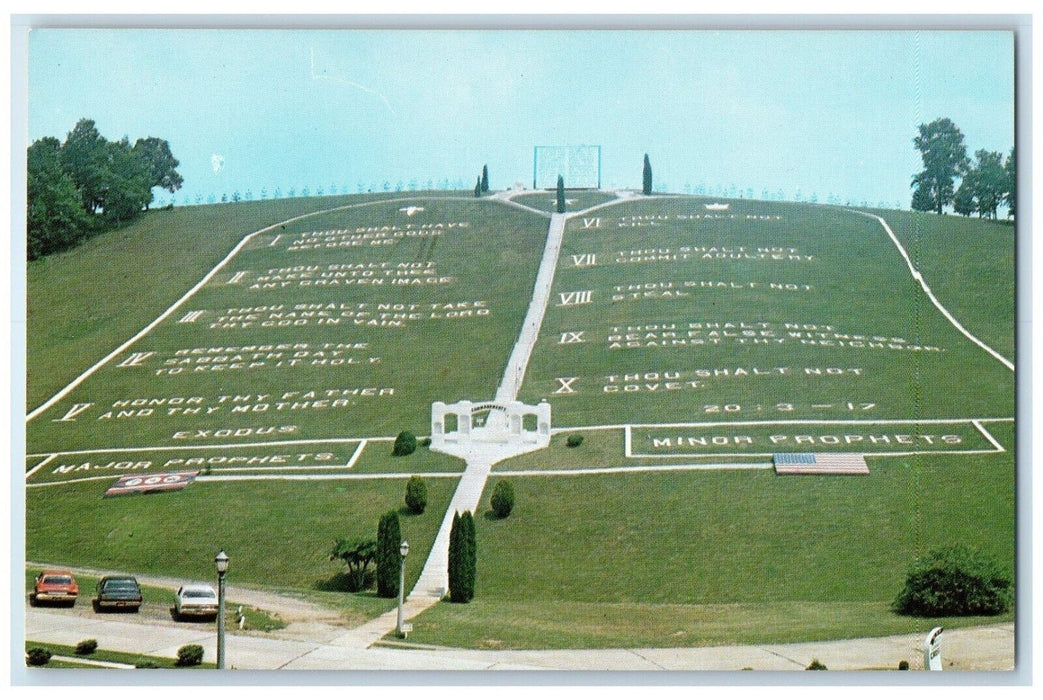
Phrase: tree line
(87, 184)
(984, 183)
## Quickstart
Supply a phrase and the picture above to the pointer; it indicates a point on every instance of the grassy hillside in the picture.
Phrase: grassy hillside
(84, 302)
(968, 264)
(665, 311)
(691, 558)
(345, 326)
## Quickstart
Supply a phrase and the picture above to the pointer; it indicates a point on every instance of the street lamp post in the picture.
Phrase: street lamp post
(222, 567)
(403, 550)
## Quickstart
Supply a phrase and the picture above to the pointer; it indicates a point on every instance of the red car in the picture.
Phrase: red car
(56, 587)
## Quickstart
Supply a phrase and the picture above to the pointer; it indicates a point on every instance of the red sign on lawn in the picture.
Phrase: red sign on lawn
(138, 483)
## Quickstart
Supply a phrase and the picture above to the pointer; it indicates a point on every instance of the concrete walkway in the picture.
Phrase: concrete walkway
(480, 457)
(989, 648)
(514, 374)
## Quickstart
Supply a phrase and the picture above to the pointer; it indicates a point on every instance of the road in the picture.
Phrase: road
(989, 648)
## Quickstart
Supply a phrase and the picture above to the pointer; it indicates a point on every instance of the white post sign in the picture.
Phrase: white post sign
(932, 650)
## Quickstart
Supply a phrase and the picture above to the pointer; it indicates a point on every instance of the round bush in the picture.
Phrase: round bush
(903, 665)
(37, 656)
(955, 581)
(87, 646)
(574, 440)
(405, 444)
(416, 494)
(190, 655)
(816, 665)
(502, 500)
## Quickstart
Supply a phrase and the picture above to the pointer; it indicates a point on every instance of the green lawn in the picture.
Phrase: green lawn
(969, 265)
(119, 657)
(278, 534)
(343, 324)
(515, 624)
(575, 200)
(678, 557)
(766, 311)
(721, 557)
(82, 303)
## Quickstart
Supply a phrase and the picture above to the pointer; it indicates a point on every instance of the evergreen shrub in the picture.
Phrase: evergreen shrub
(955, 581)
(502, 500)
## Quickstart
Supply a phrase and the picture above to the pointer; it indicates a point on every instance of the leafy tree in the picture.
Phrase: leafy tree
(84, 157)
(561, 195)
(462, 558)
(990, 182)
(1010, 191)
(416, 494)
(646, 177)
(944, 158)
(485, 178)
(356, 553)
(922, 200)
(389, 539)
(964, 201)
(55, 219)
(125, 189)
(161, 163)
(952, 581)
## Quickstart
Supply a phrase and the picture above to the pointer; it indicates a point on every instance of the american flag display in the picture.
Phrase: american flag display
(820, 463)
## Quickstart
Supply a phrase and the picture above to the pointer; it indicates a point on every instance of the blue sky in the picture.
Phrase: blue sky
(823, 112)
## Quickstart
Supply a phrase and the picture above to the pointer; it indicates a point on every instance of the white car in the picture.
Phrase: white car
(195, 600)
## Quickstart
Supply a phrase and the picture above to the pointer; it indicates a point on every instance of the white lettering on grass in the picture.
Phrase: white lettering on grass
(71, 414)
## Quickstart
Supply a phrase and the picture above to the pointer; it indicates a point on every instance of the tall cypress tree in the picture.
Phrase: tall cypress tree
(470, 554)
(456, 562)
(646, 177)
(561, 194)
(463, 558)
(485, 178)
(478, 187)
(389, 539)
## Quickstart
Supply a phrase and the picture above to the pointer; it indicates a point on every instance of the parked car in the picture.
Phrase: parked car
(119, 592)
(55, 587)
(195, 600)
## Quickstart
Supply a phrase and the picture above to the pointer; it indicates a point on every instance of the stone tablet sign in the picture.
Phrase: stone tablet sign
(580, 166)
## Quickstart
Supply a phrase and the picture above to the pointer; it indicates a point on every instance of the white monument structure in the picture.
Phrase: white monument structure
(508, 427)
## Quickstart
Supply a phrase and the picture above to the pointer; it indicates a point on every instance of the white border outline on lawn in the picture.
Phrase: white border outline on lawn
(975, 422)
(228, 446)
(271, 477)
(210, 275)
(930, 295)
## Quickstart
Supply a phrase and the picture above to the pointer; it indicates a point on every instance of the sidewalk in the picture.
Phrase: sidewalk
(989, 648)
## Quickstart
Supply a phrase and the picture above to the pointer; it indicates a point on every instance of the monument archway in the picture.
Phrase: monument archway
(491, 422)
